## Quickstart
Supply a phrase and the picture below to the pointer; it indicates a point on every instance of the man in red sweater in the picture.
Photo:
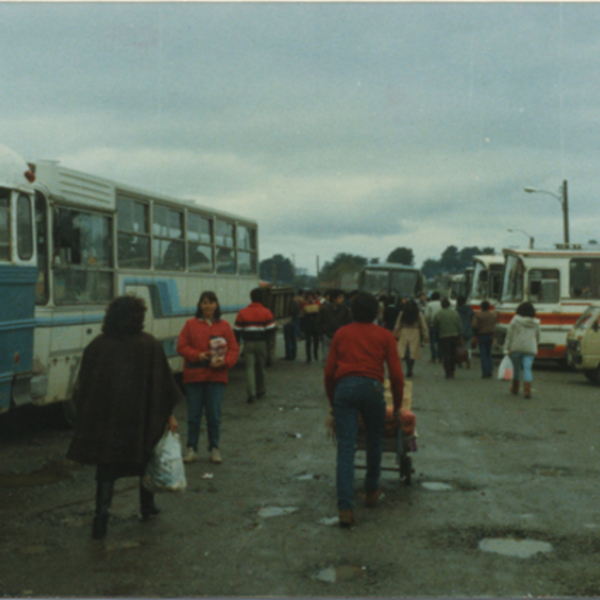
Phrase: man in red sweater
(256, 327)
(354, 377)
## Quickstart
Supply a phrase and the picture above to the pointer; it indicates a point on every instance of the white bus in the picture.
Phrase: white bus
(488, 270)
(391, 279)
(560, 283)
(95, 240)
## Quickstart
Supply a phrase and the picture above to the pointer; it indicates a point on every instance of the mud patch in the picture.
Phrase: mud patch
(337, 574)
(52, 472)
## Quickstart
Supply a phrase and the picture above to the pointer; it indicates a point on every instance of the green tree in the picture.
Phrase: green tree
(276, 269)
(341, 263)
(402, 256)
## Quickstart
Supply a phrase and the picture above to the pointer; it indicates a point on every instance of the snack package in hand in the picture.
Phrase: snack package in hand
(217, 349)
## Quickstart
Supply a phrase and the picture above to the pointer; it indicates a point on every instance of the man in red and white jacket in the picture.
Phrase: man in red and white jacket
(256, 327)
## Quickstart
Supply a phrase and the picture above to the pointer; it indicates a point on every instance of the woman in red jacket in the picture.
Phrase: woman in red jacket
(209, 349)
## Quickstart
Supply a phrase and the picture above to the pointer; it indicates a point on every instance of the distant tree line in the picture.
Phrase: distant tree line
(279, 269)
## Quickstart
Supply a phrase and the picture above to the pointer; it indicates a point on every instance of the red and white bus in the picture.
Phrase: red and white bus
(561, 283)
(487, 280)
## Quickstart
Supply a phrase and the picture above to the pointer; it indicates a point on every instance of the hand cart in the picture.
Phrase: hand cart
(394, 440)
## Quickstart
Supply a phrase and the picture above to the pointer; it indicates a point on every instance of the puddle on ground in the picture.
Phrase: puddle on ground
(276, 511)
(514, 547)
(329, 521)
(436, 486)
(305, 477)
(53, 472)
(340, 573)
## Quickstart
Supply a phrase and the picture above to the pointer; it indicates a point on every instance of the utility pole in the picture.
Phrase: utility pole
(565, 207)
(318, 270)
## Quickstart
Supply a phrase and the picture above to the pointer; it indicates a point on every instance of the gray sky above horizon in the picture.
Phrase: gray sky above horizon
(343, 127)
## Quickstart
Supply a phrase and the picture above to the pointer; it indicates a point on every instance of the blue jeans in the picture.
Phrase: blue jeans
(485, 353)
(353, 395)
(435, 344)
(207, 396)
(525, 361)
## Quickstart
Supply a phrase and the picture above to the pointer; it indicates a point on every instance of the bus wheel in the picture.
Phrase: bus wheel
(593, 375)
(68, 412)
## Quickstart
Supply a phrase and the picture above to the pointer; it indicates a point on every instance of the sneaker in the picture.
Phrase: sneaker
(346, 518)
(372, 497)
(215, 456)
(190, 456)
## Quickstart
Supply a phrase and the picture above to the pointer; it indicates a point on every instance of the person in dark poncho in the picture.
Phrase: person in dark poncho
(125, 395)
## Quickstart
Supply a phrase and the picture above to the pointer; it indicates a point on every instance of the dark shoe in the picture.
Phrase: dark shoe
(346, 518)
(372, 497)
(251, 399)
(147, 506)
(514, 388)
(527, 389)
(100, 527)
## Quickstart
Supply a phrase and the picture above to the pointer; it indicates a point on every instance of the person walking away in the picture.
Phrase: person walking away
(299, 298)
(124, 394)
(422, 302)
(411, 331)
(354, 376)
(466, 316)
(291, 329)
(433, 307)
(310, 309)
(449, 326)
(255, 325)
(333, 315)
(483, 325)
(209, 349)
(521, 343)
(391, 312)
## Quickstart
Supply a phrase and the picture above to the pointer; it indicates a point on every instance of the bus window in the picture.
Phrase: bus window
(246, 245)
(404, 283)
(4, 224)
(199, 246)
(585, 278)
(133, 241)
(24, 227)
(167, 239)
(225, 241)
(544, 286)
(41, 229)
(375, 282)
(512, 288)
(82, 258)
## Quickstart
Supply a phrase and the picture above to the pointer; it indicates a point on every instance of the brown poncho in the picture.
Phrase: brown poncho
(124, 396)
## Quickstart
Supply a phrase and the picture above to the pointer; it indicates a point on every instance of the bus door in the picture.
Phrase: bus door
(18, 275)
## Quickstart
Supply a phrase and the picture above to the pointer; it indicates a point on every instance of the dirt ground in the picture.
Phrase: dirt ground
(490, 466)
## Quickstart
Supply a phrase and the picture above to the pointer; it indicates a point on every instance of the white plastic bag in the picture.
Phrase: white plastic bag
(505, 370)
(165, 471)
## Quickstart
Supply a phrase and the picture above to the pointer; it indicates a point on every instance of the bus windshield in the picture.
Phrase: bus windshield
(375, 281)
(480, 282)
(512, 288)
(404, 283)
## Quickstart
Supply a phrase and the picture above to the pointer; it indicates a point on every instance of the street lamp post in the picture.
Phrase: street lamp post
(531, 238)
(563, 198)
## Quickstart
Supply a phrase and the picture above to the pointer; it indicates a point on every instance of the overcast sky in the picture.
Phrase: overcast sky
(343, 127)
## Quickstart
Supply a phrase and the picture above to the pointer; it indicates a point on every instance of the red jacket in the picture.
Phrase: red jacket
(360, 350)
(255, 322)
(194, 338)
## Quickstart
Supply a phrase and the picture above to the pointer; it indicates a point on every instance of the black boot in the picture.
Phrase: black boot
(104, 493)
(147, 506)
(410, 363)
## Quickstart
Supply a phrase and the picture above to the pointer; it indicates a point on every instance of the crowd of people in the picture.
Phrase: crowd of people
(125, 393)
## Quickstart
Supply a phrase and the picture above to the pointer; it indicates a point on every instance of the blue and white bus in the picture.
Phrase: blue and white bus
(71, 242)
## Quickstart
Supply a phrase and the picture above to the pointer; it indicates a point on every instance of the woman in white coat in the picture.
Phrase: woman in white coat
(411, 331)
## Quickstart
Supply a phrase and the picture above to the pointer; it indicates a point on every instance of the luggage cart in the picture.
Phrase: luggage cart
(393, 438)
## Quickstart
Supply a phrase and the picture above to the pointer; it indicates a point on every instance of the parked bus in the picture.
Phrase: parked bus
(488, 270)
(560, 283)
(391, 279)
(94, 240)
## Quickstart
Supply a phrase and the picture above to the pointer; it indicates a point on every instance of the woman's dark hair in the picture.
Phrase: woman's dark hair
(435, 296)
(364, 307)
(445, 303)
(213, 298)
(410, 313)
(124, 316)
(526, 309)
(485, 305)
(461, 301)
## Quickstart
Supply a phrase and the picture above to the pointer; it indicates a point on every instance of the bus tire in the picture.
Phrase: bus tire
(593, 375)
